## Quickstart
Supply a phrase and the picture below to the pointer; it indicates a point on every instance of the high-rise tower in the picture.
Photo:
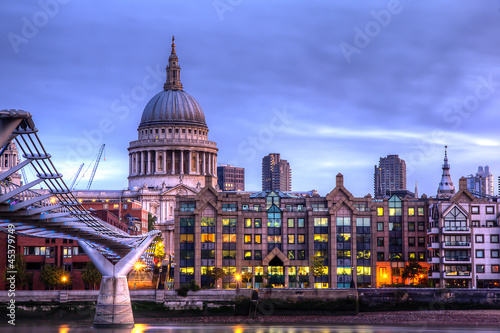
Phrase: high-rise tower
(390, 175)
(276, 173)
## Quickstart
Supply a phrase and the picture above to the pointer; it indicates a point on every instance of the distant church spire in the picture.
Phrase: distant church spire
(416, 191)
(446, 188)
(173, 71)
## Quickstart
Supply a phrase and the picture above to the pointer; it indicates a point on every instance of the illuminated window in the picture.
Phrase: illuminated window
(187, 270)
(187, 238)
(392, 211)
(303, 270)
(301, 254)
(291, 223)
(258, 239)
(291, 254)
(247, 255)
(258, 223)
(248, 223)
(210, 238)
(301, 239)
(229, 222)
(321, 222)
(495, 268)
(420, 211)
(291, 239)
(411, 256)
(411, 211)
(301, 223)
(321, 238)
(380, 211)
(248, 239)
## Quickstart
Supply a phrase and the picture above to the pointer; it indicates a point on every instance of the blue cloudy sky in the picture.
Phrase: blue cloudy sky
(331, 85)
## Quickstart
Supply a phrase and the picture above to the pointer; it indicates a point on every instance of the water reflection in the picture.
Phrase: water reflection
(42, 327)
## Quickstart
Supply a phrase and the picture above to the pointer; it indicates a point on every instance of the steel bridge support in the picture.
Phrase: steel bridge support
(113, 307)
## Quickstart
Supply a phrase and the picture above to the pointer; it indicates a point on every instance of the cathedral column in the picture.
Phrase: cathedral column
(165, 161)
(182, 163)
(130, 161)
(148, 169)
(190, 158)
(173, 161)
(204, 168)
(143, 167)
(210, 164)
(198, 162)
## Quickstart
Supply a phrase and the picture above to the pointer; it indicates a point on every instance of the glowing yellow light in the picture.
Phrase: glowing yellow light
(385, 275)
(64, 279)
(139, 265)
(238, 277)
(52, 200)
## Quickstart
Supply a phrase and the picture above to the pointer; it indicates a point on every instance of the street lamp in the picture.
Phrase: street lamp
(352, 278)
(238, 277)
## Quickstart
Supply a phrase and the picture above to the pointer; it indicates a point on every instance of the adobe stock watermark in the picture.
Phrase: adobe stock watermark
(266, 134)
(364, 36)
(32, 25)
(455, 115)
(223, 6)
(120, 110)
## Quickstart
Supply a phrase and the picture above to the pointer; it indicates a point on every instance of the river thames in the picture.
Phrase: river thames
(52, 327)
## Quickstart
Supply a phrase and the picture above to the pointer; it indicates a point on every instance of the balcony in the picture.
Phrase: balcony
(434, 246)
(456, 230)
(461, 245)
(457, 259)
(453, 275)
(433, 260)
(433, 231)
(434, 275)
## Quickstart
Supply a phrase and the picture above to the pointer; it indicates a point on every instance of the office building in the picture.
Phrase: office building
(390, 175)
(481, 184)
(276, 173)
(230, 178)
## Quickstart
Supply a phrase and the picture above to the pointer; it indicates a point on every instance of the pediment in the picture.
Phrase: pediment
(276, 253)
(179, 189)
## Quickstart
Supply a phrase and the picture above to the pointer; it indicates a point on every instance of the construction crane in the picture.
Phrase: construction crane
(75, 177)
(99, 154)
(25, 179)
(96, 160)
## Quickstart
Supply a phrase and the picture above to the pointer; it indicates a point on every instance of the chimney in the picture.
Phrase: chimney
(339, 180)
(462, 184)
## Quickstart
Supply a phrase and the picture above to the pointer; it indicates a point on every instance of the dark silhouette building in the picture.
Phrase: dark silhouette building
(390, 175)
(276, 173)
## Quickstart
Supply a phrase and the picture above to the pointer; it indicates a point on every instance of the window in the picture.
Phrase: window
(258, 239)
(411, 241)
(229, 222)
(411, 226)
(248, 223)
(291, 239)
(257, 223)
(494, 253)
(421, 256)
(380, 226)
(474, 210)
(495, 268)
(229, 207)
(490, 210)
(479, 238)
(258, 255)
(291, 223)
(475, 223)
(301, 255)
(247, 255)
(301, 239)
(321, 222)
(380, 211)
(421, 241)
(479, 253)
(479, 268)
(248, 239)
(208, 238)
(421, 226)
(420, 211)
(186, 238)
(494, 238)
(301, 223)
(187, 207)
(411, 211)
(244, 207)
(380, 241)
(412, 256)
(380, 256)
(291, 254)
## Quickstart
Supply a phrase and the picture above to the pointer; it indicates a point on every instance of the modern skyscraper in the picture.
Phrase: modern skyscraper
(481, 185)
(446, 188)
(230, 178)
(276, 173)
(390, 175)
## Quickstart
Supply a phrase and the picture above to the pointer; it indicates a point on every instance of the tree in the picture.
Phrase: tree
(318, 265)
(22, 278)
(159, 250)
(246, 277)
(216, 273)
(90, 275)
(151, 221)
(412, 270)
(52, 276)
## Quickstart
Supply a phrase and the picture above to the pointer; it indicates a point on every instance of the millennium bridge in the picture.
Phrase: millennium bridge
(30, 213)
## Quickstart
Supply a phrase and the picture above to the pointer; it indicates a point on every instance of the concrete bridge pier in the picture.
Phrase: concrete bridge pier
(113, 304)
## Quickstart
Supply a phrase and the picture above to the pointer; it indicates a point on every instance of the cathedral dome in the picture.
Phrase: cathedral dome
(173, 107)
